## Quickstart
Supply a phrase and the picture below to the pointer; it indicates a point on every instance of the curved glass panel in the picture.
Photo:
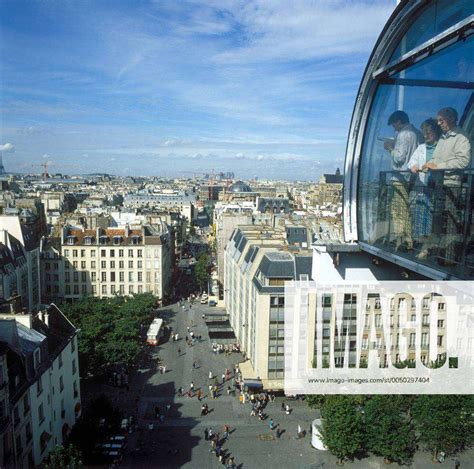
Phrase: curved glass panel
(434, 19)
(424, 216)
(453, 64)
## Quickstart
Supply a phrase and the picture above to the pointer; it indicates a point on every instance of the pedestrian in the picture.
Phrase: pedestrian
(228, 391)
(223, 378)
(194, 365)
(225, 435)
(278, 433)
(457, 463)
(287, 409)
(191, 386)
(187, 328)
(211, 432)
(203, 410)
(177, 337)
(179, 351)
(199, 395)
(164, 369)
(180, 391)
(270, 424)
(283, 406)
(206, 434)
(210, 375)
(213, 446)
(300, 433)
(187, 340)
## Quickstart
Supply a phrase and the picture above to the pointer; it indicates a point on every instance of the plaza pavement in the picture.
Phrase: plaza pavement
(179, 440)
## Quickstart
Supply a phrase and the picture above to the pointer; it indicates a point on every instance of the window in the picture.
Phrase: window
(426, 320)
(39, 386)
(112, 289)
(130, 276)
(139, 264)
(391, 205)
(37, 358)
(139, 276)
(75, 264)
(93, 265)
(412, 339)
(140, 289)
(61, 384)
(440, 340)
(76, 289)
(122, 289)
(120, 252)
(74, 253)
(84, 276)
(26, 404)
(68, 290)
(83, 253)
(130, 253)
(104, 289)
(103, 276)
(75, 276)
(112, 276)
(139, 253)
(73, 344)
(440, 323)
(93, 276)
(112, 253)
(66, 253)
(121, 277)
(83, 264)
(74, 388)
(103, 264)
(41, 413)
(424, 339)
(93, 253)
(60, 360)
(130, 290)
(130, 264)
(103, 252)
(112, 264)
(121, 264)
(74, 369)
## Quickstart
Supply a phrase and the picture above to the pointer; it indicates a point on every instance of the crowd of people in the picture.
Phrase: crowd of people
(424, 184)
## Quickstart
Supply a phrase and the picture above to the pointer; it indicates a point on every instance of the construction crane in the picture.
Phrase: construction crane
(46, 165)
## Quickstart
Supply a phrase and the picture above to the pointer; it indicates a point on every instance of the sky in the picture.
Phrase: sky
(262, 88)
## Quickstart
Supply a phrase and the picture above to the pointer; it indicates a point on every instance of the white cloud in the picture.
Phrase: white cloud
(7, 148)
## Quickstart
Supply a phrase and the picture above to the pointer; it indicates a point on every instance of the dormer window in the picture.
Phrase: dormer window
(88, 240)
(37, 358)
(135, 239)
(70, 240)
(103, 240)
(117, 240)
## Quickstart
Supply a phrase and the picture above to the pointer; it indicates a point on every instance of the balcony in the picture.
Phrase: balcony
(426, 218)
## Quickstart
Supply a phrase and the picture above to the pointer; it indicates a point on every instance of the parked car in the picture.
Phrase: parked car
(212, 303)
(204, 301)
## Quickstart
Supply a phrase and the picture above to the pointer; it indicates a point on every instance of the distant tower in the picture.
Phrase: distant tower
(2, 168)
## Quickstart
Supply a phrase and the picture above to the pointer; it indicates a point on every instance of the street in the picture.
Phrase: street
(179, 440)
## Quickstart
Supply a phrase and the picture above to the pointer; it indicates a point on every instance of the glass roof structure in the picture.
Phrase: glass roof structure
(409, 173)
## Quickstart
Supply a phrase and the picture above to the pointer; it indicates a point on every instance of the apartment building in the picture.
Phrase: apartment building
(108, 262)
(258, 262)
(19, 265)
(43, 378)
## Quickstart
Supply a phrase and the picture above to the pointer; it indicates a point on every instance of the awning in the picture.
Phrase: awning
(253, 383)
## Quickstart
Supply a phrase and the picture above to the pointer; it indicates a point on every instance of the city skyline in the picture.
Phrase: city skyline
(160, 88)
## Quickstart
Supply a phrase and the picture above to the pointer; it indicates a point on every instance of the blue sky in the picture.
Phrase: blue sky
(261, 88)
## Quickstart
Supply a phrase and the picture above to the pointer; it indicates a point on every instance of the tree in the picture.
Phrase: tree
(110, 329)
(389, 432)
(64, 457)
(201, 270)
(444, 422)
(342, 430)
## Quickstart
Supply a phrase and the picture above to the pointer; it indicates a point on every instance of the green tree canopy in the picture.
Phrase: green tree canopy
(342, 430)
(64, 457)
(388, 429)
(444, 422)
(201, 270)
(109, 329)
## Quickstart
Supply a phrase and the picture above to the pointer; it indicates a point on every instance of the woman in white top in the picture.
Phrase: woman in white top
(422, 195)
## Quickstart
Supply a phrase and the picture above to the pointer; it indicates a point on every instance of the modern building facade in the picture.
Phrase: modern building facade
(258, 261)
